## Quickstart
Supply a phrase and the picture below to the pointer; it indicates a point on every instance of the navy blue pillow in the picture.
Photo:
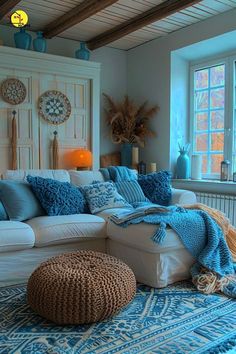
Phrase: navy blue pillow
(156, 187)
(57, 198)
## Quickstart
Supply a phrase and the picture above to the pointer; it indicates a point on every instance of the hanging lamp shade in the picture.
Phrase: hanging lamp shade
(83, 159)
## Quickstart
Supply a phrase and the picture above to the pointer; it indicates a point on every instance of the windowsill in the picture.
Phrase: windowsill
(206, 185)
(205, 181)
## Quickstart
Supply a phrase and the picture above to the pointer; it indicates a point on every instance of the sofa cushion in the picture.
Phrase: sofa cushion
(19, 200)
(57, 198)
(81, 178)
(103, 195)
(50, 230)
(156, 187)
(21, 175)
(15, 236)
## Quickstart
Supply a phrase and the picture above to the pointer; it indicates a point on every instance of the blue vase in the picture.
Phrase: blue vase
(82, 53)
(40, 43)
(22, 39)
(126, 154)
(183, 165)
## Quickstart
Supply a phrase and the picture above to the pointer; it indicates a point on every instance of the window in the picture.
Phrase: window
(213, 113)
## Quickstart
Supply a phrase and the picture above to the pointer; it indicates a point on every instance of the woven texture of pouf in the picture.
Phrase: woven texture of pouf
(80, 287)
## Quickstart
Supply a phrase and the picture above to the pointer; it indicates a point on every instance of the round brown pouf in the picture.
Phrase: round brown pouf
(80, 287)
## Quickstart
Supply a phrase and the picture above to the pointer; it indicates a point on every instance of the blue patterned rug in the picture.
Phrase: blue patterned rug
(174, 320)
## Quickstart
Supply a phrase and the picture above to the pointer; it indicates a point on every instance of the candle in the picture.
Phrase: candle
(196, 168)
(153, 167)
(134, 156)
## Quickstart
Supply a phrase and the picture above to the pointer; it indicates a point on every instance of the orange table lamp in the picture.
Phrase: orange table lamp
(83, 159)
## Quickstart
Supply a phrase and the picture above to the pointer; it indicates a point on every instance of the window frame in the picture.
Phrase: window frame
(229, 107)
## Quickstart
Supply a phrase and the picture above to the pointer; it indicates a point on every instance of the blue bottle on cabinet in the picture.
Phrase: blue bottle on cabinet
(22, 39)
(82, 53)
(40, 43)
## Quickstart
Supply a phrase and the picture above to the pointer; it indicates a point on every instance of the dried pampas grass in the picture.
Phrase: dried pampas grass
(128, 122)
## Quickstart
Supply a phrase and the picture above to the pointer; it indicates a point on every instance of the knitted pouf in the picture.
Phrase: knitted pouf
(80, 287)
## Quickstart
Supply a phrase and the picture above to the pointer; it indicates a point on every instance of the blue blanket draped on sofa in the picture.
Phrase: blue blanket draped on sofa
(118, 173)
(200, 234)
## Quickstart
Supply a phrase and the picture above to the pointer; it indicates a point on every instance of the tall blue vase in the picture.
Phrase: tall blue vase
(39, 43)
(82, 53)
(126, 154)
(183, 165)
(22, 39)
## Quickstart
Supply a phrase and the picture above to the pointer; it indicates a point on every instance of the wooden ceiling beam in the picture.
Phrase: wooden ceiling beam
(76, 15)
(156, 13)
(6, 6)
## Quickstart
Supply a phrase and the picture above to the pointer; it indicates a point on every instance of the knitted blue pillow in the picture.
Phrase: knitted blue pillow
(57, 198)
(156, 187)
(131, 191)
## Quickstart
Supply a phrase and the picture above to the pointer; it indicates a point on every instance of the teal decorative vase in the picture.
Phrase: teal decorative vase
(183, 165)
(22, 39)
(82, 53)
(126, 154)
(39, 43)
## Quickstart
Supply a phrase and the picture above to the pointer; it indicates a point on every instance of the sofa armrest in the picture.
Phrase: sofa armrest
(181, 196)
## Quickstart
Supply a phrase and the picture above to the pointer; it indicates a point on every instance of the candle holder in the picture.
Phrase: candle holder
(225, 170)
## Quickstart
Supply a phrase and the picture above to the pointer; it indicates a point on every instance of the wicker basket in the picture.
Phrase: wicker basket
(80, 287)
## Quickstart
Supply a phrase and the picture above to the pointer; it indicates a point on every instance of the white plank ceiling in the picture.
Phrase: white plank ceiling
(42, 12)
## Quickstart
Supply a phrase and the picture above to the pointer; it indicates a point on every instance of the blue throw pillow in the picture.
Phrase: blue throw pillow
(156, 187)
(104, 195)
(19, 200)
(3, 213)
(57, 198)
(131, 191)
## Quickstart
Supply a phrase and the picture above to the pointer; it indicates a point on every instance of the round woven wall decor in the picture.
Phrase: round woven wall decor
(54, 107)
(13, 91)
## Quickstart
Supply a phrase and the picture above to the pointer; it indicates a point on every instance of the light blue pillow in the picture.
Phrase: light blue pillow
(104, 195)
(131, 191)
(3, 213)
(58, 198)
(19, 200)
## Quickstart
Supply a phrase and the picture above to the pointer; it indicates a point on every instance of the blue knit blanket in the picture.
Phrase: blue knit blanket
(118, 173)
(200, 234)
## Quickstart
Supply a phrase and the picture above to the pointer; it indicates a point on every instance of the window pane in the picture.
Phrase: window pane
(217, 119)
(201, 142)
(204, 163)
(201, 100)
(217, 141)
(217, 98)
(217, 75)
(215, 163)
(201, 79)
(202, 121)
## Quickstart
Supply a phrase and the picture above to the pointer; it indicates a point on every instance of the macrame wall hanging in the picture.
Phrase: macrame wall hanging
(55, 109)
(55, 155)
(14, 141)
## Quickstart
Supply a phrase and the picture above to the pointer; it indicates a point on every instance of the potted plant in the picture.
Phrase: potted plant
(128, 124)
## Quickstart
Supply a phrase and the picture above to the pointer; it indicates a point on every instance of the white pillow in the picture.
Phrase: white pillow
(101, 196)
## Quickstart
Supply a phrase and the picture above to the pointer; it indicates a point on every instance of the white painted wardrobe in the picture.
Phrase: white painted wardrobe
(40, 72)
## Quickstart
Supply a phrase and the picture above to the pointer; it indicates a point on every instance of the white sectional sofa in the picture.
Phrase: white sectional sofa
(24, 245)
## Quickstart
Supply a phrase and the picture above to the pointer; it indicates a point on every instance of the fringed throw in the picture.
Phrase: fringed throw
(203, 238)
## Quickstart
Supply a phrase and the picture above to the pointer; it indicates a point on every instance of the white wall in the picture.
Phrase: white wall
(149, 77)
(113, 72)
